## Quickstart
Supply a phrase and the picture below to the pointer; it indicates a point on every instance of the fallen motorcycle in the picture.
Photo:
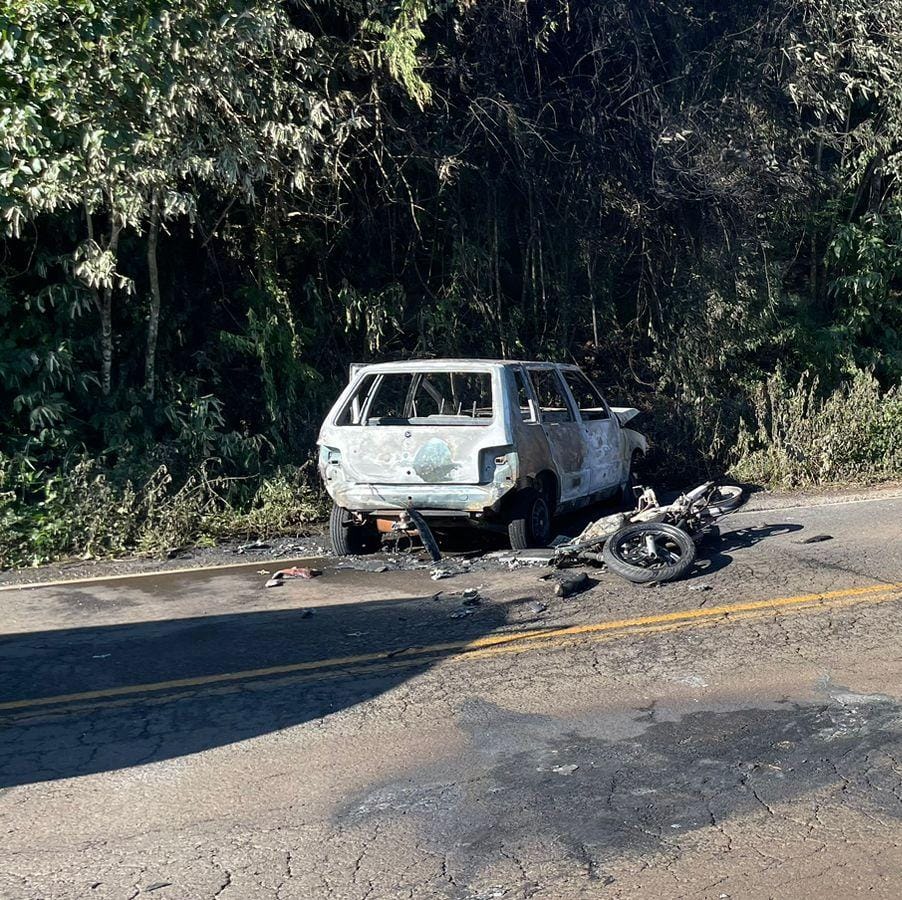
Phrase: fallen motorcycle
(653, 543)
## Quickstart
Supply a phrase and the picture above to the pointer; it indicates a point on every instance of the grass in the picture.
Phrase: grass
(797, 437)
(85, 512)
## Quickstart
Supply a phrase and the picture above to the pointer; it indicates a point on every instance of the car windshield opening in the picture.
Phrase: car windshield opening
(421, 398)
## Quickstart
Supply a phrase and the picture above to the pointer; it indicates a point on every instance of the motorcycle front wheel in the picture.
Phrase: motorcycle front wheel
(649, 552)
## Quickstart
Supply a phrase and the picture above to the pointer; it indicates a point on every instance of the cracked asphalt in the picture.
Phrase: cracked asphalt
(370, 735)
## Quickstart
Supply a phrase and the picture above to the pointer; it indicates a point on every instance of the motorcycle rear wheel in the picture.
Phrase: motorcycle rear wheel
(723, 499)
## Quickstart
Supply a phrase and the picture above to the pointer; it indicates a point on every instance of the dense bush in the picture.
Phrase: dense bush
(798, 437)
(83, 511)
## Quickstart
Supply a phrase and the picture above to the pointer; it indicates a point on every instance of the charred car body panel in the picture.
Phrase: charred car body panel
(454, 438)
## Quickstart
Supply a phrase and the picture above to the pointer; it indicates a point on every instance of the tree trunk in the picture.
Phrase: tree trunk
(106, 317)
(153, 323)
(95, 294)
(813, 282)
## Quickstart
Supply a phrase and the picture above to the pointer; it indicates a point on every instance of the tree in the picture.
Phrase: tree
(213, 98)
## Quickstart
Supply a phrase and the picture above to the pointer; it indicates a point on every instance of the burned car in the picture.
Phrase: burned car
(500, 444)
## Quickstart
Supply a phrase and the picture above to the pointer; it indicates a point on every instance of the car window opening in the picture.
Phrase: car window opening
(550, 393)
(421, 398)
(588, 400)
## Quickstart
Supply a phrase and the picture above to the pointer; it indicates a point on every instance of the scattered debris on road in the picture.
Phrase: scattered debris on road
(460, 566)
(255, 547)
(282, 548)
(389, 563)
(469, 600)
(183, 552)
(816, 539)
(278, 579)
(573, 584)
(568, 769)
(542, 556)
(654, 543)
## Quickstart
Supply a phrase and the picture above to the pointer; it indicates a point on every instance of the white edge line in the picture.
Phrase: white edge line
(773, 509)
(127, 576)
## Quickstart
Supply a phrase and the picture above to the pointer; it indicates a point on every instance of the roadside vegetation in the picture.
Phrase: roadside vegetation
(209, 209)
(800, 438)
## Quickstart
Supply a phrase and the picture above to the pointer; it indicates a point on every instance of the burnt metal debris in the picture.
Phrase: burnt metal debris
(278, 578)
(656, 542)
(411, 518)
(572, 584)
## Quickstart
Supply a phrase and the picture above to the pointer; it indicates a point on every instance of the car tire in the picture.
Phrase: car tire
(530, 523)
(349, 539)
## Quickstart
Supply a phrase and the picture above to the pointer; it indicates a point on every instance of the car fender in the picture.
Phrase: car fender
(633, 441)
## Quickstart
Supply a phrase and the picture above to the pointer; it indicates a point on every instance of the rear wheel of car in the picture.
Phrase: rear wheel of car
(349, 539)
(530, 523)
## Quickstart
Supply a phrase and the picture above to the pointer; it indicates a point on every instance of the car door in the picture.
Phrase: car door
(564, 433)
(601, 431)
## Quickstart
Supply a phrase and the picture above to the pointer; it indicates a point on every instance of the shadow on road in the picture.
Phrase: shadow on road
(104, 732)
(97, 734)
(715, 549)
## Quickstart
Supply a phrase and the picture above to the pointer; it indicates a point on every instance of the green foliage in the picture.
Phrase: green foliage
(865, 259)
(169, 97)
(798, 437)
(399, 45)
(377, 316)
(45, 515)
(285, 503)
(86, 510)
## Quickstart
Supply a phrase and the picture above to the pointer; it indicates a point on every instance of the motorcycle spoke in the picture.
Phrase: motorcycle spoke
(667, 553)
(637, 553)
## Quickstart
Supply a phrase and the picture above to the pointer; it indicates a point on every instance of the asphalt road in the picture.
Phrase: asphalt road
(736, 734)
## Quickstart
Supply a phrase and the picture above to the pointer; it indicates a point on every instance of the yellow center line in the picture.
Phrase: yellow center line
(874, 599)
(376, 668)
(498, 643)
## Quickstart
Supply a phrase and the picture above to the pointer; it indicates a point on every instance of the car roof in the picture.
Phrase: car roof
(460, 363)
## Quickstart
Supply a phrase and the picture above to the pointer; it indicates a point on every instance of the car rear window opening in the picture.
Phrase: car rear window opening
(421, 398)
